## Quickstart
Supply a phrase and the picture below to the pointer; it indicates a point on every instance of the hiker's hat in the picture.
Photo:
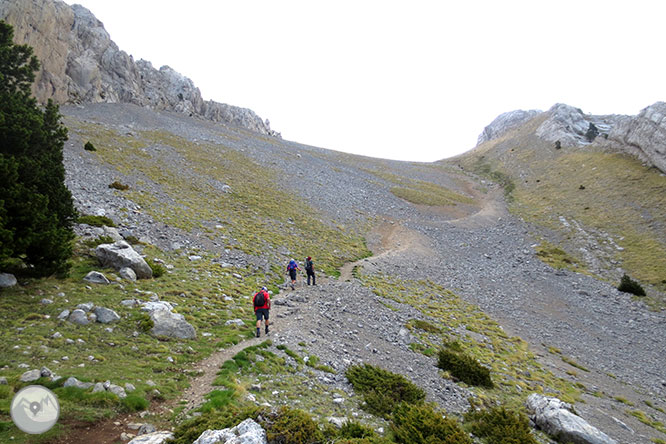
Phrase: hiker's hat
(264, 288)
(309, 258)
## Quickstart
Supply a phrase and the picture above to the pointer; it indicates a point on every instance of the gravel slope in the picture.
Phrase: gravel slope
(486, 257)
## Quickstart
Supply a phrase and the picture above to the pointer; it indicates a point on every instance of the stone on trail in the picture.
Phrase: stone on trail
(120, 255)
(556, 419)
(247, 432)
(153, 438)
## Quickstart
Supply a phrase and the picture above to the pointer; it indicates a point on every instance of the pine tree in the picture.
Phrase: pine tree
(36, 208)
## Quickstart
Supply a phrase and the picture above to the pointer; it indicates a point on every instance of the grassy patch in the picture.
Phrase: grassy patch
(557, 257)
(514, 368)
(645, 419)
(95, 221)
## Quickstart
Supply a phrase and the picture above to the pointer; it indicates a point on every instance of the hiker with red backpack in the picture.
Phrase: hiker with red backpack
(262, 304)
(292, 267)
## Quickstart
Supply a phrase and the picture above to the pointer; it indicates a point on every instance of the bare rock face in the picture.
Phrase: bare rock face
(506, 122)
(81, 64)
(643, 135)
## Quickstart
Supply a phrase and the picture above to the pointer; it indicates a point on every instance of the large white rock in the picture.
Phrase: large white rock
(556, 419)
(171, 325)
(247, 432)
(121, 254)
(153, 438)
(31, 375)
(7, 280)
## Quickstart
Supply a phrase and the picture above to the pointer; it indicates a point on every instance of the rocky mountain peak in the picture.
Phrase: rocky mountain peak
(643, 136)
(81, 64)
(505, 122)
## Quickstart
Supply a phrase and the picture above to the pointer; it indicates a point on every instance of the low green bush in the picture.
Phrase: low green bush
(158, 269)
(464, 368)
(89, 146)
(118, 186)
(421, 424)
(353, 429)
(144, 322)
(383, 390)
(96, 221)
(230, 416)
(500, 426)
(628, 285)
(93, 243)
(293, 426)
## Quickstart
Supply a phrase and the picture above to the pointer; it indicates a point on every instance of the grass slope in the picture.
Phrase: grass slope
(583, 197)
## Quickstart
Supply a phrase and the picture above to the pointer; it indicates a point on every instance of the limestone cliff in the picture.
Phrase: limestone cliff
(81, 64)
(643, 136)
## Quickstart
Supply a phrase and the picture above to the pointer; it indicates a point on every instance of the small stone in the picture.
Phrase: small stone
(46, 372)
(46, 301)
(7, 280)
(63, 315)
(145, 429)
(129, 387)
(95, 277)
(86, 307)
(99, 387)
(31, 375)
(57, 335)
(3, 381)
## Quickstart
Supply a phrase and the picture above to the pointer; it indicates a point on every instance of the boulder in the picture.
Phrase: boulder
(156, 306)
(95, 277)
(73, 382)
(117, 390)
(557, 419)
(153, 438)
(171, 325)
(86, 306)
(99, 387)
(78, 317)
(146, 429)
(106, 315)
(31, 375)
(64, 314)
(128, 274)
(120, 255)
(7, 280)
(247, 432)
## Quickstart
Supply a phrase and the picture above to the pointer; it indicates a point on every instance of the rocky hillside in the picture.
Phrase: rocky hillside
(643, 136)
(81, 64)
(220, 210)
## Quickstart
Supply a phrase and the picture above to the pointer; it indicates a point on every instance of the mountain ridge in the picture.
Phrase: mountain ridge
(81, 64)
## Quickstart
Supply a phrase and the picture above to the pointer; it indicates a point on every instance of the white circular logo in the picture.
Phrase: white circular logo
(35, 409)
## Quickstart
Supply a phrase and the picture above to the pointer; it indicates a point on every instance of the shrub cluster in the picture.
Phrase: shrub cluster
(500, 426)
(158, 269)
(464, 367)
(95, 221)
(294, 426)
(118, 186)
(628, 285)
(421, 424)
(383, 390)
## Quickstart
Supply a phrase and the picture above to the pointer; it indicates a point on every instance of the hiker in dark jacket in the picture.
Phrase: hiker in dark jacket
(292, 267)
(261, 310)
(309, 269)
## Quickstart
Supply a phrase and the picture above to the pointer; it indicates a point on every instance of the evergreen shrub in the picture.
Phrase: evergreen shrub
(464, 367)
(500, 426)
(628, 285)
(421, 424)
(383, 390)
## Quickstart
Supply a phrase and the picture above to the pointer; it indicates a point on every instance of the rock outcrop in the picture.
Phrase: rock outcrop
(247, 432)
(81, 64)
(120, 255)
(643, 135)
(505, 122)
(557, 419)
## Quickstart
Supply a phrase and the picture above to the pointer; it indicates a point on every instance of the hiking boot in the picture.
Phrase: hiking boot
(292, 287)
(258, 332)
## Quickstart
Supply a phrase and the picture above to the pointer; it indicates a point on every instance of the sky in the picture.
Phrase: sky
(407, 80)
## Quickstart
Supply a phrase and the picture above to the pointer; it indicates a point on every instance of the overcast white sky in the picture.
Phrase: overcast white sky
(408, 80)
